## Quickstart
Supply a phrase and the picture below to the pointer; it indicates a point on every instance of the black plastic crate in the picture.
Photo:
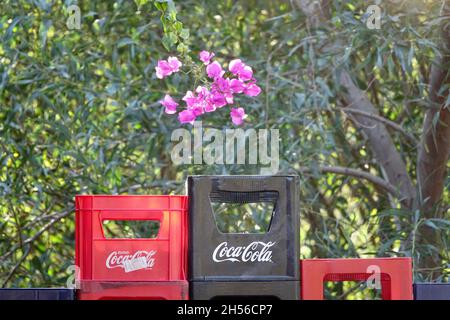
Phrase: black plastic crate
(241, 290)
(432, 291)
(272, 254)
(37, 294)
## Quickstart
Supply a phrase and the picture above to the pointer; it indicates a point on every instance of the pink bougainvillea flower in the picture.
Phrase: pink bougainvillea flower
(206, 57)
(237, 115)
(169, 104)
(223, 86)
(204, 99)
(235, 66)
(209, 105)
(174, 63)
(197, 109)
(214, 70)
(237, 86)
(240, 69)
(163, 69)
(202, 92)
(200, 103)
(186, 116)
(229, 97)
(252, 90)
(218, 99)
(246, 73)
(189, 98)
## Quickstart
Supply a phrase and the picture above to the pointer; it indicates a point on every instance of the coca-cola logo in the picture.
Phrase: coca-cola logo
(123, 259)
(256, 251)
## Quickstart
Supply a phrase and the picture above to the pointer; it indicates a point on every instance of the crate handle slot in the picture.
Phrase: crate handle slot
(131, 229)
(157, 216)
(243, 212)
(243, 197)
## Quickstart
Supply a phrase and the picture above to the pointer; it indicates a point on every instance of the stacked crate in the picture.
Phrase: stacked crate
(432, 291)
(393, 274)
(131, 268)
(37, 294)
(255, 265)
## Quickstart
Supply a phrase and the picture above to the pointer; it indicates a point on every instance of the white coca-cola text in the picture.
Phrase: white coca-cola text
(256, 251)
(117, 258)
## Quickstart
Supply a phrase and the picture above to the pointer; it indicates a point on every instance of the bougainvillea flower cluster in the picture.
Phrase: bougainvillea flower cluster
(219, 91)
(167, 67)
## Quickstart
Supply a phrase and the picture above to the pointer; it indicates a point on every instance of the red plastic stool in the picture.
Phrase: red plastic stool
(395, 275)
(122, 290)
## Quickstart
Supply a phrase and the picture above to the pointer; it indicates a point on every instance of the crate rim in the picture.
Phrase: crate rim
(241, 176)
(356, 259)
(432, 283)
(132, 195)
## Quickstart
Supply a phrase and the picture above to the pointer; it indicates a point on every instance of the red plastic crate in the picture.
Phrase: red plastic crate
(121, 290)
(121, 259)
(395, 275)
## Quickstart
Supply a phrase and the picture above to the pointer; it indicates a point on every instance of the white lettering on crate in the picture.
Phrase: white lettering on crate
(256, 251)
(141, 259)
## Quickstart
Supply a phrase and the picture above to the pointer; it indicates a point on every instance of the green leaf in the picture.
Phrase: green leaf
(431, 224)
(167, 42)
(184, 34)
(124, 42)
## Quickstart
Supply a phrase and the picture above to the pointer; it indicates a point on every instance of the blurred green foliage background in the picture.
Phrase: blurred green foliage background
(79, 113)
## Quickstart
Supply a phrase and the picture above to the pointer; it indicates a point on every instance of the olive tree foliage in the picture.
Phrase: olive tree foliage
(363, 116)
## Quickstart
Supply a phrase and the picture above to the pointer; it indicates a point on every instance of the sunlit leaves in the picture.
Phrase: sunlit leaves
(79, 114)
